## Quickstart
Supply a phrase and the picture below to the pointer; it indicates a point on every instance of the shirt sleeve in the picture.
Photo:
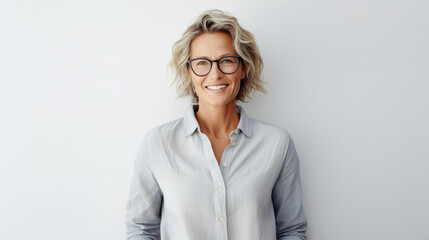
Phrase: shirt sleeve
(143, 211)
(291, 223)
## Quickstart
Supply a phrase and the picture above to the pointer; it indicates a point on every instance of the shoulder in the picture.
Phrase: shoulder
(279, 138)
(156, 139)
(164, 131)
(271, 131)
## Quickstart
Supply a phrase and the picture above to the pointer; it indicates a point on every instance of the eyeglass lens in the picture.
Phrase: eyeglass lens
(227, 65)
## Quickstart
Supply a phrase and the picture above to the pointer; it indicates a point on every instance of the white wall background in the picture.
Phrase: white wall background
(81, 82)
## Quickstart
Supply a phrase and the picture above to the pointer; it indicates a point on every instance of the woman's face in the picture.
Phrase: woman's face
(213, 46)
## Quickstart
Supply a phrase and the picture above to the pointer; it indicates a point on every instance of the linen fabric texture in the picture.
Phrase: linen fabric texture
(180, 192)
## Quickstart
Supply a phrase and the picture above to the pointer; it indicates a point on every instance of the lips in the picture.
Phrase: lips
(217, 86)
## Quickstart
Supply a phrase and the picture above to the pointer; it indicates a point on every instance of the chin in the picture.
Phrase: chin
(220, 103)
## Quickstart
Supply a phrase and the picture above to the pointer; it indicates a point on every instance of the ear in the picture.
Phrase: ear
(243, 72)
(189, 76)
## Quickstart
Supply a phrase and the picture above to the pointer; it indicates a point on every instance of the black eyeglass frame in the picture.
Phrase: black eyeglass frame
(189, 62)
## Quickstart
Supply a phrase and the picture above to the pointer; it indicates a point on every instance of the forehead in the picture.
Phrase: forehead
(212, 45)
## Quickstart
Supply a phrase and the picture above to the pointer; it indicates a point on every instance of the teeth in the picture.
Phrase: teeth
(216, 87)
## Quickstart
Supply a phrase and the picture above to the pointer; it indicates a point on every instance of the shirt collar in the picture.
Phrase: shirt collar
(191, 123)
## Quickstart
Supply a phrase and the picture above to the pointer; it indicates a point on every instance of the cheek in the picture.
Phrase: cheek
(196, 82)
(193, 79)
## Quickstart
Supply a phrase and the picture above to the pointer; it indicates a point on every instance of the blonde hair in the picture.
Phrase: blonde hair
(244, 44)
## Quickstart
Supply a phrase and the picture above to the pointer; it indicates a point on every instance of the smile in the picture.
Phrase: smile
(217, 87)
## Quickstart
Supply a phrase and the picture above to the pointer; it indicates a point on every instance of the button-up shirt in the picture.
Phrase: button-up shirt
(179, 191)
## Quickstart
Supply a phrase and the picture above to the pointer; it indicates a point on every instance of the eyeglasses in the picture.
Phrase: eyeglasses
(202, 66)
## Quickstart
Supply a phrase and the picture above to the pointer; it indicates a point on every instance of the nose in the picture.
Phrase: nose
(215, 72)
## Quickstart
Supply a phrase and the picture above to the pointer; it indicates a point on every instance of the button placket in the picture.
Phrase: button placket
(226, 157)
(219, 183)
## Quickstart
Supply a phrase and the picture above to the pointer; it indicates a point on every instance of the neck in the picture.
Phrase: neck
(217, 121)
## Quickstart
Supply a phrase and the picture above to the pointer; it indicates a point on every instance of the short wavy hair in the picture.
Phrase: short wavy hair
(244, 44)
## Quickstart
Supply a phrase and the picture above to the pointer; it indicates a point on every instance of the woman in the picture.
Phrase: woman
(216, 173)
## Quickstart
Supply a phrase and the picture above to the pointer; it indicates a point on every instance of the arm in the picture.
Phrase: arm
(143, 212)
(291, 223)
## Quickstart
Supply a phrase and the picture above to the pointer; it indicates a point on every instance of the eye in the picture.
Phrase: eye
(226, 61)
(201, 62)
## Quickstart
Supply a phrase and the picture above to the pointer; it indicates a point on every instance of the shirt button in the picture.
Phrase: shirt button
(233, 144)
(221, 219)
(219, 189)
(225, 164)
(236, 132)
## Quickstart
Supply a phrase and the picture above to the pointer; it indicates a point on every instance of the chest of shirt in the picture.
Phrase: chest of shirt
(186, 168)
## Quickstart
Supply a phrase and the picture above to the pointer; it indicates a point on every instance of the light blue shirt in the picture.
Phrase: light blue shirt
(180, 192)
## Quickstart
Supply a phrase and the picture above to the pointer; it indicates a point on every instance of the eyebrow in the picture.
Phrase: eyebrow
(223, 55)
